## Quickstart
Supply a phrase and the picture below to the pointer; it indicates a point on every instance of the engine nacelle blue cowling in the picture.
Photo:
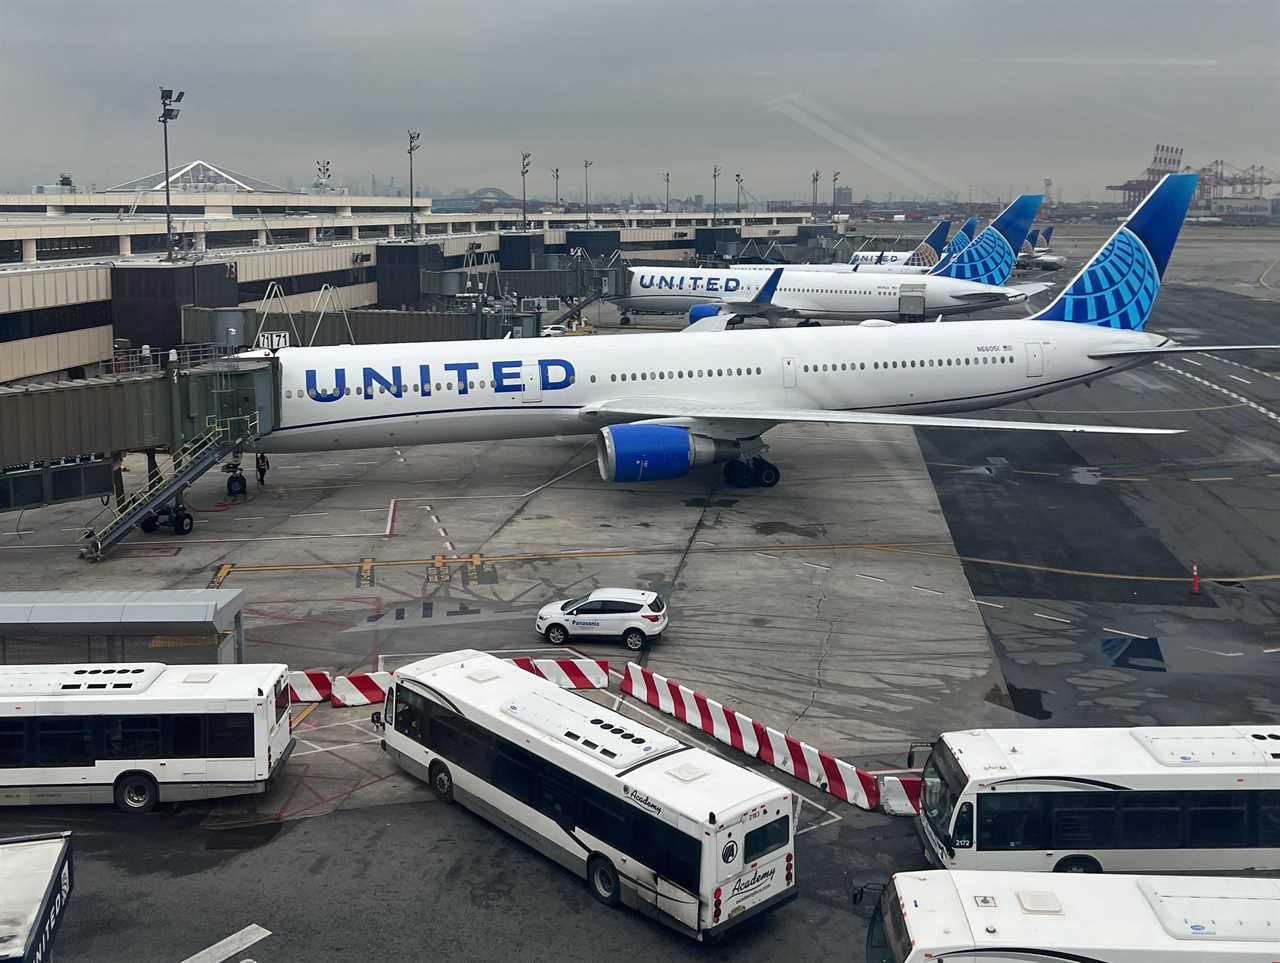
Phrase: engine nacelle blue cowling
(632, 453)
(700, 311)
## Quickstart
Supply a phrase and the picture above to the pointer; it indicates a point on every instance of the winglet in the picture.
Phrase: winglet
(766, 292)
(1118, 286)
(990, 258)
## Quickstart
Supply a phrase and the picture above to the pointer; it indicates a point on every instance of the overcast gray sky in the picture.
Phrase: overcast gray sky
(903, 96)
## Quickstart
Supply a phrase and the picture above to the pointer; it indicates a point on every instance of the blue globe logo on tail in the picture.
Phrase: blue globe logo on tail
(988, 260)
(1118, 286)
(1116, 290)
(963, 237)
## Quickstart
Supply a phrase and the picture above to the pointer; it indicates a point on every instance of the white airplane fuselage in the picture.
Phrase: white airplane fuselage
(389, 395)
(848, 296)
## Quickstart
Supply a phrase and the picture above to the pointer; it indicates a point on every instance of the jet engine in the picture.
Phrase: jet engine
(632, 453)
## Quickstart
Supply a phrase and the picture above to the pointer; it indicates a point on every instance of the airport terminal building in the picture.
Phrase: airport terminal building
(80, 271)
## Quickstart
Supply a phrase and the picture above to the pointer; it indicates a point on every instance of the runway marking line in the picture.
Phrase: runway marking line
(994, 605)
(1051, 618)
(921, 588)
(233, 945)
(1225, 655)
(1213, 478)
(1122, 478)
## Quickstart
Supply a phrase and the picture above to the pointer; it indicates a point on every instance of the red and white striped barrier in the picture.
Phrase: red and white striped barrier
(569, 673)
(900, 795)
(312, 685)
(759, 741)
(360, 689)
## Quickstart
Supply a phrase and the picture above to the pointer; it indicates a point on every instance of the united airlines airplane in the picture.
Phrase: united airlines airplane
(925, 254)
(972, 280)
(658, 404)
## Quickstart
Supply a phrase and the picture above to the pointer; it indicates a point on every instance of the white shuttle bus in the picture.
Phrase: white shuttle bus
(140, 733)
(673, 831)
(970, 917)
(1160, 799)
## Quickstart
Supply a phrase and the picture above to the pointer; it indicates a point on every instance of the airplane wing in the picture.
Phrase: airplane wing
(1032, 288)
(1181, 349)
(643, 409)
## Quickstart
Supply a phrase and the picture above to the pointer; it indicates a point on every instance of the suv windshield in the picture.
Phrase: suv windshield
(573, 603)
(943, 783)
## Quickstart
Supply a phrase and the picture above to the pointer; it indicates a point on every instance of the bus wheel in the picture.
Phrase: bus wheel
(441, 781)
(1077, 864)
(136, 792)
(603, 880)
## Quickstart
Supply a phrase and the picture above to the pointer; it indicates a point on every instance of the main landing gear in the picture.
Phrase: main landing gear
(757, 472)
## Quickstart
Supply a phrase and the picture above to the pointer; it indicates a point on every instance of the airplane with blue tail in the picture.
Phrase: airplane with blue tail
(962, 239)
(657, 405)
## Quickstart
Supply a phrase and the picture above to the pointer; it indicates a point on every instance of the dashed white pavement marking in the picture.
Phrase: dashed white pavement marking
(825, 568)
(306, 514)
(1274, 416)
(761, 554)
(1051, 618)
(1225, 655)
(1132, 635)
(871, 578)
(233, 944)
(1239, 379)
(921, 588)
(994, 605)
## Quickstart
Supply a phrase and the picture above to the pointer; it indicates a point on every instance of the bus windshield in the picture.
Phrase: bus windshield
(943, 783)
(887, 940)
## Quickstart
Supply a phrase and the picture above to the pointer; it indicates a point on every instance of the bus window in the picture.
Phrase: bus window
(1083, 820)
(66, 741)
(765, 839)
(513, 772)
(131, 737)
(231, 735)
(1151, 820)
(943, 784)
(13, 743)
(410, 713)
(556, 800)
(1012, 821)
(1217, 820)
(962, 835)
(188, 736)
(1269, 818)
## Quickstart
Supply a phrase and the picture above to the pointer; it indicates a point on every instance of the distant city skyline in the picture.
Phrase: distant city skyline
(955, 99)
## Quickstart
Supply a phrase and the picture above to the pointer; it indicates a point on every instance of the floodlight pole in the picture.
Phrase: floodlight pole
(414, 137)
(715, 183)
(524, 197)
(167, 113)
(738, 179)
(586, 192)
(555, 174)
(835, 176)
(817, 175)
(666, 176)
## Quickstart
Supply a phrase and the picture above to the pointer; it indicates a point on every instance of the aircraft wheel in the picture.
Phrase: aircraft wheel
(183, 523)
(765, 473)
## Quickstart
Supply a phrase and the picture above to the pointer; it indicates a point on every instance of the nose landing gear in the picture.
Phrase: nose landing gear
(758, 472)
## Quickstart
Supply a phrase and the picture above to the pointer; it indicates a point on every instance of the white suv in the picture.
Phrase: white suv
(635, 617)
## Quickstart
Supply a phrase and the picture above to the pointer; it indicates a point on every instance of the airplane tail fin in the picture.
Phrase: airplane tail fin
(1029, 245)
(929, 250)
(1047, 236)
(1118, 286)
(991, 256)
(963, 238)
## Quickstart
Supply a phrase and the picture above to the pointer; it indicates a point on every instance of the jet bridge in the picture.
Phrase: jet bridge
(201, 407)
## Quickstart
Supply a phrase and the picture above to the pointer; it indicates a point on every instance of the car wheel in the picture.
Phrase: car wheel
(633, 639)
(603, 880)
(136, 792)
(1078, 864)
(556, 634)
(441, 781)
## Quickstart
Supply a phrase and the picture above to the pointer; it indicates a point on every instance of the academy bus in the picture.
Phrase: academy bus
(994, 917)
(670, 830)
(140, 733)
(1153, 799)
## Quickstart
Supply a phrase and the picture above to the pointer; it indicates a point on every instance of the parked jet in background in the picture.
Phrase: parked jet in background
(1032, 257)
(658, 404)
(925, 254)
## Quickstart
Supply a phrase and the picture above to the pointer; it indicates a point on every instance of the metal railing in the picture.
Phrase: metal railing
(189, 462)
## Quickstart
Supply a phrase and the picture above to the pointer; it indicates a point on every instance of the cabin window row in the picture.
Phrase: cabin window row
(558, 794)
(397, 390)
(681, 375)
(919, 363)
(1227, 819)
(58, 741)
